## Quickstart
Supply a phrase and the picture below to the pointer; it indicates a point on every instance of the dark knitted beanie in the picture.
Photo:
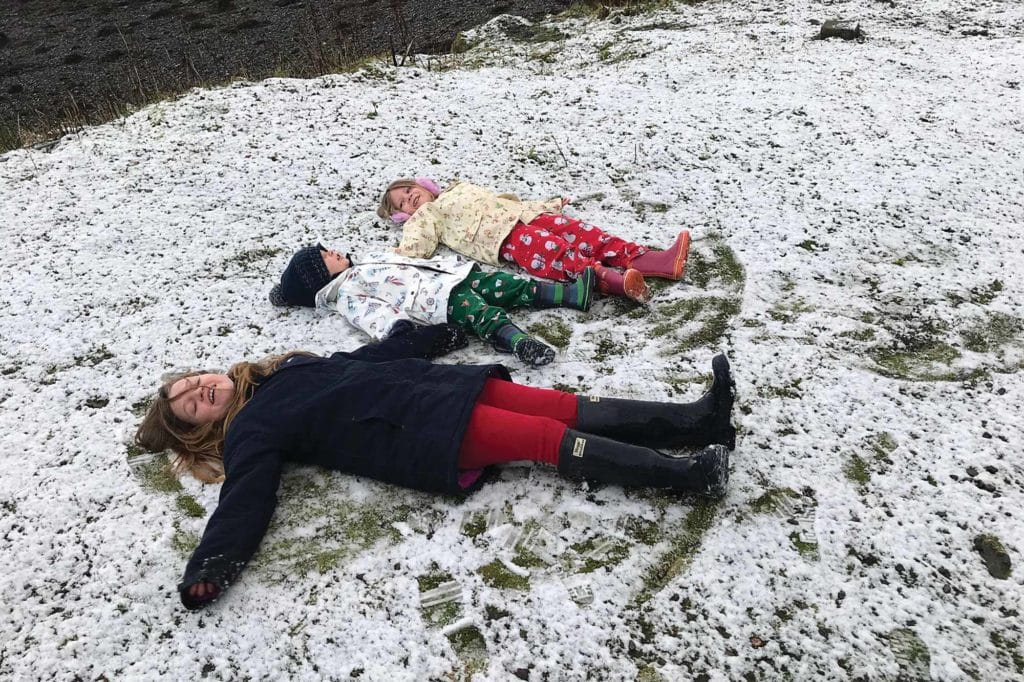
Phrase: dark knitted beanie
(305, 275)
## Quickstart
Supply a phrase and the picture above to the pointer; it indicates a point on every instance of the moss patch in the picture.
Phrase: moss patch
(788, 391)
(808, 550)
(188, 505)
(721, 267)
(927, 362)
(693, 322)
(93, 356)
(156, 475)
(445, 612)
(184, 542)
(993, 331)
(789, 311)
(1011, 649)
(683, 547)
(773, 500)
(140, 407)
(496, 575)
(856, 469)
(601, 553)
(554, 330)
(316, 529)
(882, 444)
(246, 259)
(911, 653)
(995, 556)
(609, 349)
(641, 530)
(475, 525)
(471, 648)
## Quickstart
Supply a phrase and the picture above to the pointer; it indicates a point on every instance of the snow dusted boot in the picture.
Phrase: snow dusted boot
(578, 295)
(666, 425)
(527, 349)
(630, 283)
(585, 456)
(668, 264)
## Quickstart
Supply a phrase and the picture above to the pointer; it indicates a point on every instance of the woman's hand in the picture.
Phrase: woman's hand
(204, 591)
(565, 201)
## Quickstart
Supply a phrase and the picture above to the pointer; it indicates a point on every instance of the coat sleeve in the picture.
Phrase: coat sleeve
(409, 341)
(553, 206)
(421, 233)
(248, 498)
(376, 320)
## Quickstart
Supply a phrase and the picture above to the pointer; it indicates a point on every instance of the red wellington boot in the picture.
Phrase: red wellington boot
(669, 263)
(630, 283)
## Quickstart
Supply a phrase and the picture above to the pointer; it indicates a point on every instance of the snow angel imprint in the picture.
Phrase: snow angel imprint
(386, 412)
(489, 228)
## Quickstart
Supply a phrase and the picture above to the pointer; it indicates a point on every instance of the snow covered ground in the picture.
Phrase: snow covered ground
(858, 211)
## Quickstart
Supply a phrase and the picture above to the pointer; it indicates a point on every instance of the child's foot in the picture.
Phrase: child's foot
(669, 263)
(532, 352)
(714, 463)
(577, 295)
(512, 339)
(580, 293)
(630, 283)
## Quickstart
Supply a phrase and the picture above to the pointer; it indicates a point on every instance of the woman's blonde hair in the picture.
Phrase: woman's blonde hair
(199, 449)
(387, 207)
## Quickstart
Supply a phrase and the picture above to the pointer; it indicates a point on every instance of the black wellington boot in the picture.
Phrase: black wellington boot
(666, 425)
(512, 339)
(589, 457)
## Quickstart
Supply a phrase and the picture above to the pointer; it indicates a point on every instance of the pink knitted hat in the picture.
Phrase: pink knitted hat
(425, 183)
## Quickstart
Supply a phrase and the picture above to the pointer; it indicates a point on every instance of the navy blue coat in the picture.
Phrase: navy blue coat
(380, 411)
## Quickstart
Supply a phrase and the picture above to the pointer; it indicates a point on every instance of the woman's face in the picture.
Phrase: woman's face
(408, 199)
(201, 399)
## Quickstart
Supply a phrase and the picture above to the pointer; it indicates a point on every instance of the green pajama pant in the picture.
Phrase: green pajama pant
(478, 304)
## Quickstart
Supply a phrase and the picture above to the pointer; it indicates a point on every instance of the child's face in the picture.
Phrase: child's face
(335, 262)
(408, 199)
(201, 399)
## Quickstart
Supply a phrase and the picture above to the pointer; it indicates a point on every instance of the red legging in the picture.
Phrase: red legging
(559, 247)
(512, 422)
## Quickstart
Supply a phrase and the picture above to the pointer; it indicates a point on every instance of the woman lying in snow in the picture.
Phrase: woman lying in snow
(385, 412)
(383, 289)
(485, 226)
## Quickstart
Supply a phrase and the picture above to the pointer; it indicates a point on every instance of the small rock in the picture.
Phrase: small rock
(986, 486)
(838, 28)
(757, 642)
(992, 552)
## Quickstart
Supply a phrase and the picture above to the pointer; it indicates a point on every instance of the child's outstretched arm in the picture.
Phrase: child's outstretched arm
(371, 315)
(406, 340)
(235, 529)
(421, 233)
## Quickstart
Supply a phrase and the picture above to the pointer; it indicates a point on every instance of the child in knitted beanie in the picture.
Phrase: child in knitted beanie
(489, 227)
(384, 289)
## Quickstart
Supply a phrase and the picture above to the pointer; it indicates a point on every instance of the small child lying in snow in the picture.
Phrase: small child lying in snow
(383, 289)
(485, 226)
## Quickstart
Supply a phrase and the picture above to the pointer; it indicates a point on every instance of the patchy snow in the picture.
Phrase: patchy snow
(871, 192)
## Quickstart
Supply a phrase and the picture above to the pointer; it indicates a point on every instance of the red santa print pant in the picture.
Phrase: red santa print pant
(555, 246)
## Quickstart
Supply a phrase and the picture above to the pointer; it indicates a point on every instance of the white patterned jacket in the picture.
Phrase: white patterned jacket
(383, 288)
